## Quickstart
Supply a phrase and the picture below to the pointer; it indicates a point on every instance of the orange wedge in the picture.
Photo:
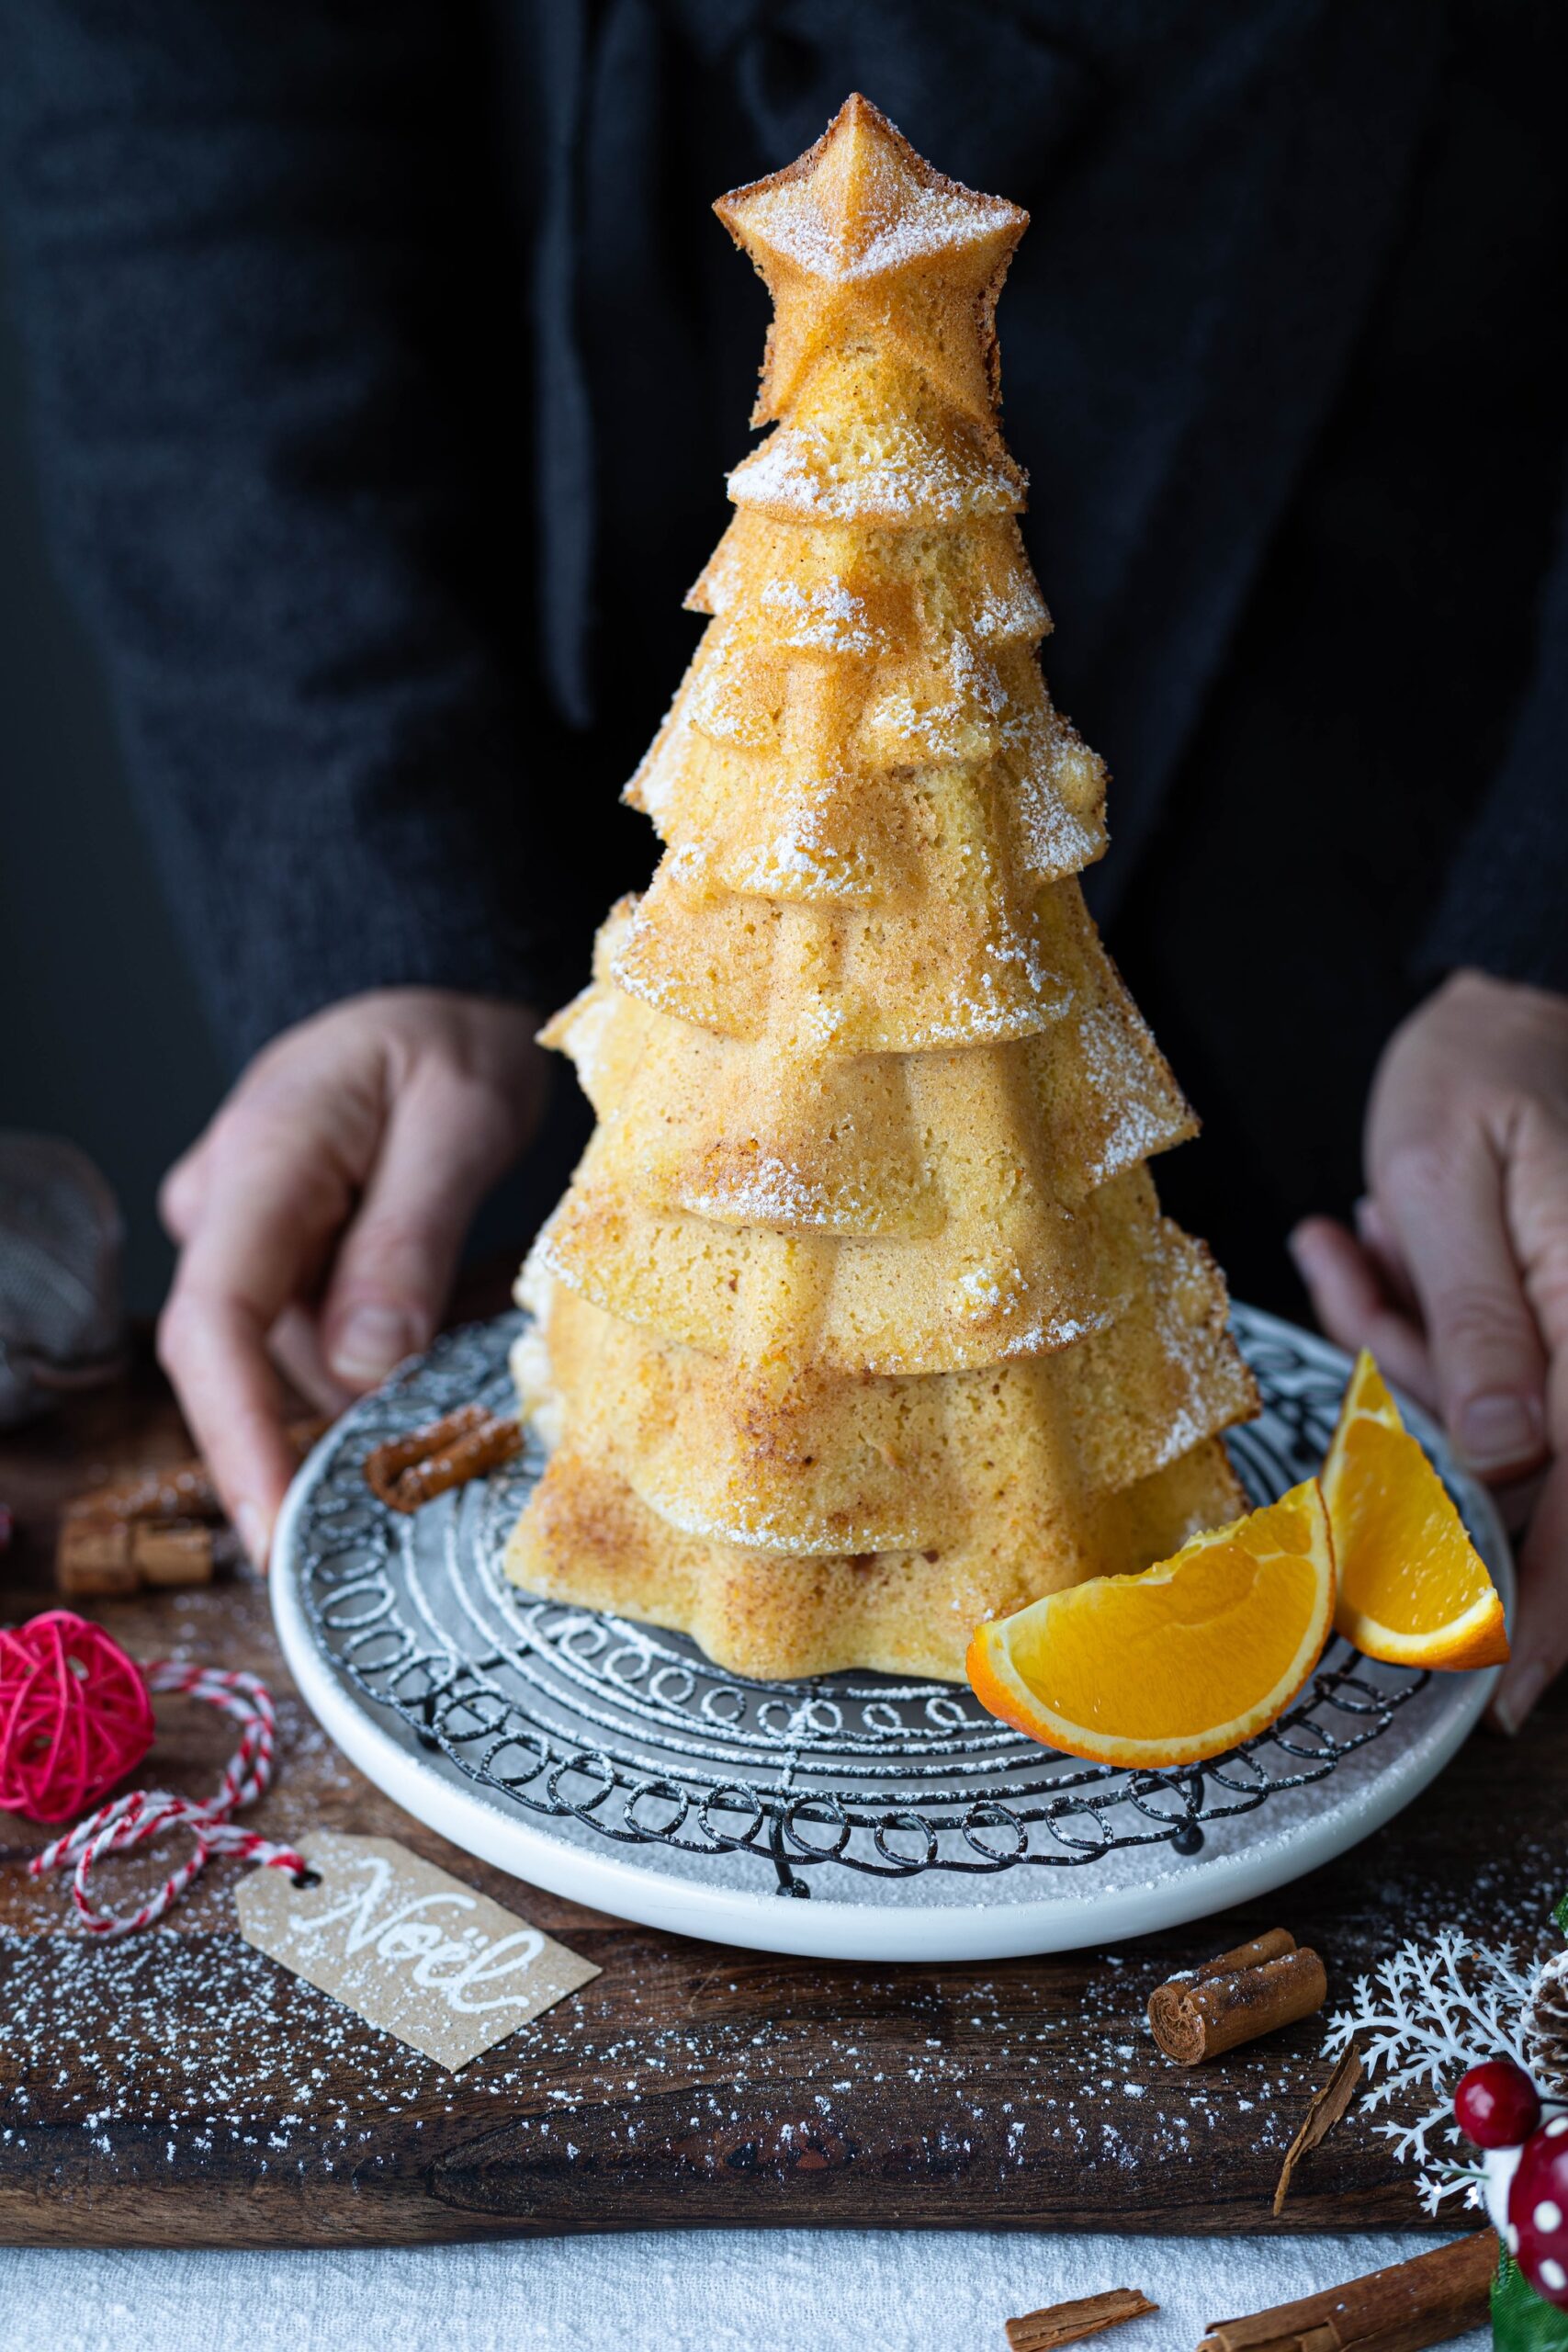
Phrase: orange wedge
(1412, 1589)
(1180, 1662)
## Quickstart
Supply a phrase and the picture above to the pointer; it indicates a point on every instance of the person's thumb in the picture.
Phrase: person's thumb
(448, 1138)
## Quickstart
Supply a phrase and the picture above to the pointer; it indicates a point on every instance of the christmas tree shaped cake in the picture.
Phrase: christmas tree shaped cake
(860, 1321)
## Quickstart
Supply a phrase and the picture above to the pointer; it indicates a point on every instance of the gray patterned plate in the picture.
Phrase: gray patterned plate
(614, 1763)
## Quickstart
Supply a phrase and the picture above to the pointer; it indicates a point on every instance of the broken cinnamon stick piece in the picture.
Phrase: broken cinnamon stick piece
(1326, 2109)
(408, 1471)
(92, 1559)
(174, 1554)
(1235, 1999)
(1070, 2323)
(1403, 2309)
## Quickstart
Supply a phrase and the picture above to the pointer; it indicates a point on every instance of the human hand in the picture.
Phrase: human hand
(1457, 1278)
(320, 1215)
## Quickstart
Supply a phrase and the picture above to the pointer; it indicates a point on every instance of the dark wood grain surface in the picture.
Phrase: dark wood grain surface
(179, 2087)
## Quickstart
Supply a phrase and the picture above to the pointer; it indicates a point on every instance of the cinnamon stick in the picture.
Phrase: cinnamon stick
(1272, 1946)
(178, 1554)
(1403, 2309)
(92, 1559)
(1326, 2109)
(1069, 2322)
(408, 1471)
(179, 1490)
(147, 1527)
(1259, 1986)
(182, 1490)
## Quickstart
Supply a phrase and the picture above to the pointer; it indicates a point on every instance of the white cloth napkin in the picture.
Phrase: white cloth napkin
(761, 2291)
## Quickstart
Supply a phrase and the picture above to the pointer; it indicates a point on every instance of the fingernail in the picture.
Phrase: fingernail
(1500, 1432)
(1513, 1704)
(1299, 1248)
(251, 1527)
(372, 1340)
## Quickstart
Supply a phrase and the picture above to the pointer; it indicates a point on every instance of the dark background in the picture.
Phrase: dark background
(102, 1038)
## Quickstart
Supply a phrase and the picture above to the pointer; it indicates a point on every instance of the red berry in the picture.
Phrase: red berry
(1497, 2104)
(1537, 2211)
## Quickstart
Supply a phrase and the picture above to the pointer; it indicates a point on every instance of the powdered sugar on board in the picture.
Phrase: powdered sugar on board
(212, 2041)
(175, 2053)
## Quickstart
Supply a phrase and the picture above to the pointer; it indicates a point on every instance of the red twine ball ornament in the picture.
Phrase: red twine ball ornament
(1497, 2104)
(75, 1715)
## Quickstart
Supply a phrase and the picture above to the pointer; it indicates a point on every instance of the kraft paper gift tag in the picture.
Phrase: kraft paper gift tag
(407, 1947)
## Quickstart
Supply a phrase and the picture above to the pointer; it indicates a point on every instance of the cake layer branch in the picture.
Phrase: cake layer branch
(802, 1462)
(876, 1145)
(588, 1539)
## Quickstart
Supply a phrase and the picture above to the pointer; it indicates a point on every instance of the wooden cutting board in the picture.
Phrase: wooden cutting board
(179, 2089)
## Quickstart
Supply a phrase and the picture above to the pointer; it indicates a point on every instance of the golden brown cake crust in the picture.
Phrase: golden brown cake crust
(586, 1538)
(860, 1322)
(757, 1455)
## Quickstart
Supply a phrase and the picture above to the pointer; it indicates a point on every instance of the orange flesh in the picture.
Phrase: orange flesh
(1179, 1663)
(1396, 1529)
(1412, 1586)
(1229, 1620)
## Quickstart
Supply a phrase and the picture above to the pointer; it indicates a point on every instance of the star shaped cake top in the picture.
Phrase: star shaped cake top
(862, 236)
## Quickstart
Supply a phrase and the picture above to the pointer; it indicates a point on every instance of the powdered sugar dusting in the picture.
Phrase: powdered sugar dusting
(826, 618)
(802, 470)
(910, 223)
(861, 204)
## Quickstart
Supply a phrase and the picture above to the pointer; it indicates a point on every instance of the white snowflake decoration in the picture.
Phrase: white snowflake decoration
(1422, 2021)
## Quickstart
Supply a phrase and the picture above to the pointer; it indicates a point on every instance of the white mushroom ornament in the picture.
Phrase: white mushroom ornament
(1523, 2145)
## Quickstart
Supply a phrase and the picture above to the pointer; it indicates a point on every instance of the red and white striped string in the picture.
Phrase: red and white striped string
(136, 1819)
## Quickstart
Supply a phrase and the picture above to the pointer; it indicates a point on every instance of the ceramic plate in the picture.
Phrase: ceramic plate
(853, 1816)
